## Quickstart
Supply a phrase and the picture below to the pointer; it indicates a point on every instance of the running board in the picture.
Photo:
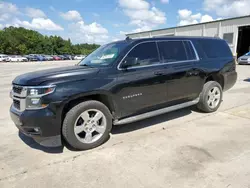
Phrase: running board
(155, 113)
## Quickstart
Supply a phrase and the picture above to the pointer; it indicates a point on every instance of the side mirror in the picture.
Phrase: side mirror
(129, 62)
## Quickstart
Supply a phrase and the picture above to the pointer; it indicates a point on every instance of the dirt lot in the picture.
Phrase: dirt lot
(180, 149)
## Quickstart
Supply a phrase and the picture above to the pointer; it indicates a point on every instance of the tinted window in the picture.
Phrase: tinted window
(146, 53)
(215, 48)
(190, 50)
(171, 51)
(228, 37)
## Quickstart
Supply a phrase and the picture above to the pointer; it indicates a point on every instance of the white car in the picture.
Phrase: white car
(79, 57)
(3, 57)
(16, 59)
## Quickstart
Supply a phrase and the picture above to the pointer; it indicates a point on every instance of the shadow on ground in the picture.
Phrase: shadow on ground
(119, 129)
(31, 143)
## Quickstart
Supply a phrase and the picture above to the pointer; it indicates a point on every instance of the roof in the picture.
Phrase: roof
(234, 18)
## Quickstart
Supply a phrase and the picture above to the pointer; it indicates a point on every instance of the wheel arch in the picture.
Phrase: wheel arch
(102, 96)
(216, 77)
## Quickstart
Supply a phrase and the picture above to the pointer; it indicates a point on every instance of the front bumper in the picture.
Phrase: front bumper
(42, 125)
(240, 62)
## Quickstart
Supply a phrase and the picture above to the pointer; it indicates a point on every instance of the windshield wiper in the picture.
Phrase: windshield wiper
(86, 65)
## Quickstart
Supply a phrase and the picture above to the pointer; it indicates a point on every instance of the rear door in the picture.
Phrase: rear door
(142, 85)
(183, 80)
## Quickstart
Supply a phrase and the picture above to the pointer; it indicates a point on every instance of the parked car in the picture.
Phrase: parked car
(3, 57)
(67, 57)
(48, 58)
(62, 57)
(31, 58)
(79, 57)
(40, 57)
(119, 83)
(16, 58)
(245, 59)
(55, 57)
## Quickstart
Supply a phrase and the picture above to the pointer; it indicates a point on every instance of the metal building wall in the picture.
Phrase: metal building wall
(211, 29)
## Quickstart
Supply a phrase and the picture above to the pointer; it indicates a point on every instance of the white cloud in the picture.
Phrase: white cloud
(35, 13)
(1, 26)
(36, 23)
(165, 1)
(186, 17)
(142, 15)
(134, 4)
(228, 8)
(206, 18)
(9, 17)
(7, 11)
(71, 15)
(91, 33)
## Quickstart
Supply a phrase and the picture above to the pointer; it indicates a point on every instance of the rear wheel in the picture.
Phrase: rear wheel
(87, 125)
(211, 97)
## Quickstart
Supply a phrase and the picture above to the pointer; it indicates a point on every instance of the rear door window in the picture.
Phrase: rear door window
(172, 51)
(214, 48)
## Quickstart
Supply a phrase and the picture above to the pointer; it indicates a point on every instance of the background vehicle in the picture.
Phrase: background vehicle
(3, 57)
(119, 83)
(16, 58)
(79, 57)
(40, 58)
(245, 59)
(56, 58)
(62, 57)
(67, 57)
(31, 57)
(48, 57)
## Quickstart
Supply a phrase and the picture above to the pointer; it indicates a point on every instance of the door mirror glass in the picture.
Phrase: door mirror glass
(129, 62)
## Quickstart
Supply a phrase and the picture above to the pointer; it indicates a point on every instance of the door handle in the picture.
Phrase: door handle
(159, 73)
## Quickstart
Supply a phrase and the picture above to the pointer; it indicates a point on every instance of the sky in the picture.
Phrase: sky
(102, 21)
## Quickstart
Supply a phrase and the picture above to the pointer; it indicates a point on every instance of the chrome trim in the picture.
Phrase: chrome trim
(22, 104)
(195, 51)
(22, 97)
(155, 113)
(157, 64)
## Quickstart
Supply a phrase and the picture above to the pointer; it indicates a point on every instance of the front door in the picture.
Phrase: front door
(142, 85)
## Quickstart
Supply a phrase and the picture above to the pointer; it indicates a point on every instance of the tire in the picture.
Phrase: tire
(205, 104)
(74, 118)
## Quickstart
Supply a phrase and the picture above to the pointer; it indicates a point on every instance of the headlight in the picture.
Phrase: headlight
(248, 59)
(34, 98)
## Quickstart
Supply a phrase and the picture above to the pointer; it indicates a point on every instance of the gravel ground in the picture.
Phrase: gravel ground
(180, 149)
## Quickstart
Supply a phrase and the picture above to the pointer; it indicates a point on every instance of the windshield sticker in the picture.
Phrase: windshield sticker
(109, 56)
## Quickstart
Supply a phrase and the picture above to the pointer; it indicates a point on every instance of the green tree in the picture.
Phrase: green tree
(23, 41)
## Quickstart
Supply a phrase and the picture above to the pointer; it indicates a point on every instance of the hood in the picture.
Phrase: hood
(57, 75)
(245, 57)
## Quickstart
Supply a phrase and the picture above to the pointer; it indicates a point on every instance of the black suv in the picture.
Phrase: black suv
(120, 83)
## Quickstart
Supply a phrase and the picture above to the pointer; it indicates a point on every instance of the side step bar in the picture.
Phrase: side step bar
(155, 113)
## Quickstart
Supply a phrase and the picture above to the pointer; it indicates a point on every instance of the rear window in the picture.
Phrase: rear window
(215, 48)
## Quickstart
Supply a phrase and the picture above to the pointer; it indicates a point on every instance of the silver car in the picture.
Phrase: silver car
(245, 59)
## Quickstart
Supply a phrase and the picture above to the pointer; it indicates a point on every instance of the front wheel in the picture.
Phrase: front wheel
(87, 125)
(211, 97)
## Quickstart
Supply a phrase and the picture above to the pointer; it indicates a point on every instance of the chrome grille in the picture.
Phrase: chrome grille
(17, 89)
(16, 104)
(19, 94)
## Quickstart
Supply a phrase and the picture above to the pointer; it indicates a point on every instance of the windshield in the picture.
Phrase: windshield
(104, 55)
(248, 54)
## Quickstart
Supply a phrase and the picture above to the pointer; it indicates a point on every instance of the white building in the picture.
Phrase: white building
(236, 31)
